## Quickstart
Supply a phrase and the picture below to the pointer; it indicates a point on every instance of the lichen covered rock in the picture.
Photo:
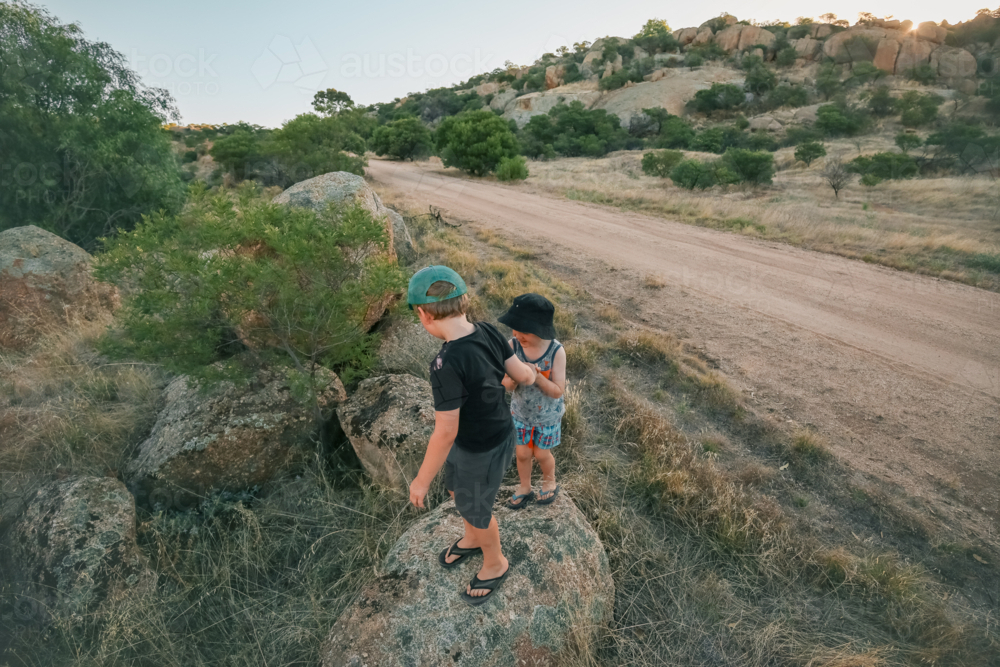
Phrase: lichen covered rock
(45, 280)
(233, 438)
(74, 547)
(402, 242)
(559, 587)
(389, 421)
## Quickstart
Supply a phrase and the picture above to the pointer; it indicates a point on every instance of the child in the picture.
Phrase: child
(470, 412)
(537, 409)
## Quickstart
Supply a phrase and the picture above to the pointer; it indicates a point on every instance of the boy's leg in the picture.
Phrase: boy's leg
(494, 562)
(547, 462)
(523, 453)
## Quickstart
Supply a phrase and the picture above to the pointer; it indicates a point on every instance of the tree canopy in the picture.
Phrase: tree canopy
(84, 153)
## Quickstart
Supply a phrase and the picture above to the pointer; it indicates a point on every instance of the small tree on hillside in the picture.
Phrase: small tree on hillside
(809, 151)
(907, 142)
(836, 176)
(403, 139)
(475, 141)
(331, 101)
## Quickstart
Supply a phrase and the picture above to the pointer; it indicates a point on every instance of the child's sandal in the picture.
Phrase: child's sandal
(455, 550)
(525, 499)
(552, 496)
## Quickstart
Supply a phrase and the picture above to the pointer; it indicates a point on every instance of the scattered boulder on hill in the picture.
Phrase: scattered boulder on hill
(533, 104)
(885, 55)
(820, 30)
(559, 587)
(766, 124)
(389, 420)
(931, 32)
(554, 75)
(952, 63)
(806, 47)
(857, 44)
(45, 280)
(913, 52)
(672, 91)
(488, 88)
(234, 438)
(344, 187)
(704, 36)
(74, 548)
(729, 39)
(686, 35)
(502, 100)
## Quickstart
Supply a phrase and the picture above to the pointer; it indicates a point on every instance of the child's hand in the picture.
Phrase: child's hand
(418, 491)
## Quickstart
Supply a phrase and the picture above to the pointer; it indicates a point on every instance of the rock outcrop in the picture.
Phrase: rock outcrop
(74, 547)
(533, 104)
(807, 48)
(672, 91)
(885, 55)
(389, 420)
(44, 281)
(559, 585)
(913, 53)
(554, 75)
(347, 188)
(406, 348)
(402, 242)
(233, 438)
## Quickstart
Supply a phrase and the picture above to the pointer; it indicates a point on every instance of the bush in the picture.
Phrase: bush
(759, 141)
(84, 152)
(571, 130)
(675, 132)
(786, 57)
(796, 134)
(917, 109)
(310, 145)
(693, 174)
(403, 139)
(693, 59)
(720, 97)
(759, 80)
(809, 151)
(908, 142)
(833, 121)
(284, 277)
(828, 81)
(749, 166)
(870, 180)
(660, 163)
(615, 81)
(786, 96)
(190, 156)
(881, 102)
(717, 139)
(923, 74)
(885, 166)
(512, 169)
(475, 141)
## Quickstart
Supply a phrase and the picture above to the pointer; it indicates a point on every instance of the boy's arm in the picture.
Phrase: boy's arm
(519, 371)
(442, 439)
(508, 382)
(555, 385)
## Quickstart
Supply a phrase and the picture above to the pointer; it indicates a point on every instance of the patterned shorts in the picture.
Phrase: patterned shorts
(542, 437)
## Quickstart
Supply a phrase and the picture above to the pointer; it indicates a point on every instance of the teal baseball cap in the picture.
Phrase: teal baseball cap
(416, 293)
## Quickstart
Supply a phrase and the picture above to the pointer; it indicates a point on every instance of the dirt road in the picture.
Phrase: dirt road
(901, 372)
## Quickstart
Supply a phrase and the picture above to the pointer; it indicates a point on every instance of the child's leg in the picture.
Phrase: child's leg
(494, 563)
(547, 462)
(523, 453)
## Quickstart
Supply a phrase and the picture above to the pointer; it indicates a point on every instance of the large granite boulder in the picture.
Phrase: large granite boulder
(402, 242)
(932, 32)
(502, 100)
(554, 75)
(885, 55)
(233, 438)
(807, 48)
(953, 63)
(534, 104)
(859, 44)
(44, 281)
(672, 90)
(344, 187)
(729, 38)
(559, 587)
(389, 421)
(913, 52)
(686, 35)
(704, 36)
(405, 347)
(74, 548)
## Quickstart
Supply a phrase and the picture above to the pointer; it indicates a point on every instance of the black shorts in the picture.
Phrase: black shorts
(475, 479)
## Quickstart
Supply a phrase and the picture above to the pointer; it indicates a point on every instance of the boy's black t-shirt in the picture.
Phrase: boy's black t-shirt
(467, 374)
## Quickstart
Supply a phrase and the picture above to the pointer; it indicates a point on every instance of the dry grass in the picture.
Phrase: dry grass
(947, 226)
(653, 281)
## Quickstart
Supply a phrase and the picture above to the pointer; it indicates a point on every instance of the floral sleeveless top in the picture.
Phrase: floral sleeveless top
(529, 405)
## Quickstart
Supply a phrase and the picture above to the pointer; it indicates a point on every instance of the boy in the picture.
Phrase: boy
(470, 412)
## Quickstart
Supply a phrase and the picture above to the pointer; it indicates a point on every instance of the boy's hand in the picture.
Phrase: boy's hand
(418, 491)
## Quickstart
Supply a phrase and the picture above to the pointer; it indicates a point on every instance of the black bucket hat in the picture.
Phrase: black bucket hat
(531, 313)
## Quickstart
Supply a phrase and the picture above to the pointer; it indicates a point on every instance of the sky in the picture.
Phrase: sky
(261, 62)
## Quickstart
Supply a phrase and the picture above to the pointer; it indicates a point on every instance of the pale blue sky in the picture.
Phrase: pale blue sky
(261, 61)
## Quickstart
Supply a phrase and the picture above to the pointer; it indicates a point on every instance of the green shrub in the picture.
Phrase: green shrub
(759, 80)
(675, 132)
(923, 74)
(786, 96)
(759, 141)
(190, 156)
(512, 169)
(796, 134)
(660, 163)
(475, 141)
(720, 97)
(786, 57)
(828, 81)
(403, 139)
(833, 120)
(571, 130)
(615, 81)
(908, 142)
(282, 276)
(809, 151)
(865, 72)
(870, 180)
(717, 139)
(881, 102)
(693, 59)
(741, 122)
(310, 145)
(916, 109)
(749, 166)
(885, 166)
(693, 174)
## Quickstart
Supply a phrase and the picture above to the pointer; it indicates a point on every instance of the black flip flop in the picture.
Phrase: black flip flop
(546, 501)
(455, 550)
(525, 499)
(490, 585)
